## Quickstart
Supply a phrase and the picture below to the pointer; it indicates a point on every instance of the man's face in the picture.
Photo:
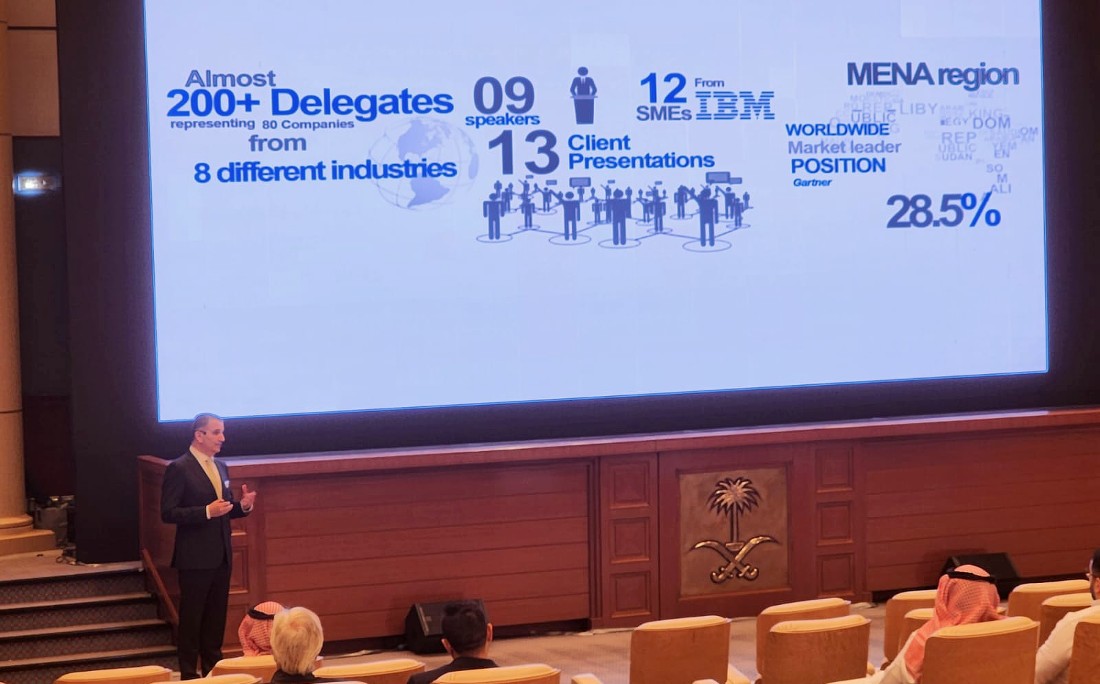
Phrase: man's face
(209, 438)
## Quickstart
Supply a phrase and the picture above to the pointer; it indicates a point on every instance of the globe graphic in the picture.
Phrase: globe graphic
(429, 140)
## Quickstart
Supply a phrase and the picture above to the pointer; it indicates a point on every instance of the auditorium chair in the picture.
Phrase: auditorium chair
(680, 651)
(994, 652)
(241, 678)
(896, 608)
(913, 621)
(816, 651)
(964, 653)
(1084, 664)
(146, 674)
(262, 666)
(392, 671)
(1027, 599)
(534, 673)
(1056, 607)
(813, 609)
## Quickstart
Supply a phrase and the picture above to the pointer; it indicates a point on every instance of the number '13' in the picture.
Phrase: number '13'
(545, 149)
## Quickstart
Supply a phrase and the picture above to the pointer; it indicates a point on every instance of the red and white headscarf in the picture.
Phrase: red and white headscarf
(255, 633)
(959, 601)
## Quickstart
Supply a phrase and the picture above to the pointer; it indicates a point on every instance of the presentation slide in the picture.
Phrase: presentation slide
(361, 206)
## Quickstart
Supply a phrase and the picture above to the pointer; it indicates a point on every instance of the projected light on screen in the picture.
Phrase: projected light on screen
(444, 205)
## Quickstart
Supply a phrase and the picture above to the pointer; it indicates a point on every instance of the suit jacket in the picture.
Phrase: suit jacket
(459, 663)
(201, 543)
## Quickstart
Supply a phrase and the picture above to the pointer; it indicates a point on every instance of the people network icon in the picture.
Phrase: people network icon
(718, 209)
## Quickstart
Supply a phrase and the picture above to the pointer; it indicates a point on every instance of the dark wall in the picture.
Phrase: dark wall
(104, 133)
(1072, 93)
(43, 324)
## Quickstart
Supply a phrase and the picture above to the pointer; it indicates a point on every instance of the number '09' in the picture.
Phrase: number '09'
(518, 89)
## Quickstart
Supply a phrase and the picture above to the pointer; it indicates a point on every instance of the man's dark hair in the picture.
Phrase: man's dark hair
(464, 627)
(201, 420)
(1094, 566)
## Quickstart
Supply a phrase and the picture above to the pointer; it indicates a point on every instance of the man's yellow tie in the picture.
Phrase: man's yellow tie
(212, 473)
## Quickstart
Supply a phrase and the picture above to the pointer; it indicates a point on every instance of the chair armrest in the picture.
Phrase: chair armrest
(734, 676)
(586, 678)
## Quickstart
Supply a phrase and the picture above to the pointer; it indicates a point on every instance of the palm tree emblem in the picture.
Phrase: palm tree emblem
(733, 497)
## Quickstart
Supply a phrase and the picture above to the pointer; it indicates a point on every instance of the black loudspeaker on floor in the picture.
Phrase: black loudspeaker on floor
(424, 625)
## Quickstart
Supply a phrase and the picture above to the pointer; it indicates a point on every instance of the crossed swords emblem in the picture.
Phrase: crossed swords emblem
(734, 554)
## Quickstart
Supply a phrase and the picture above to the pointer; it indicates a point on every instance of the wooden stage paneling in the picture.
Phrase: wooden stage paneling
(591, 529)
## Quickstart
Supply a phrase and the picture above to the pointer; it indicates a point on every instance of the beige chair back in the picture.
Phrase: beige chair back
(535, 673)
(733, 676)
(146, 674)
(1084, 664)
(896, 608)
(913, 621)
(1056, 607)
(994, 652)
(241, 678)
(817, 651)
(680, 650)
(1027, 599)
(392, 671)
(814, 609)
(262, 666)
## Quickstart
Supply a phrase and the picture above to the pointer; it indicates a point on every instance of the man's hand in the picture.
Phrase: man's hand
(217, 509)
(248, 498)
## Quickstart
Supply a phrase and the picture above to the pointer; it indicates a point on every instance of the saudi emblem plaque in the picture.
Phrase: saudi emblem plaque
(733, 530)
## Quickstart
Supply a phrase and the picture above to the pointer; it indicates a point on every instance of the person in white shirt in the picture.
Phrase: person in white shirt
(1052, 660)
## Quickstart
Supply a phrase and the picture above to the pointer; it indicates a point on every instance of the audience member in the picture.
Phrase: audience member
(965, 595)
(255, 629)
(1052, 661)
(466, 636)
(296, 640)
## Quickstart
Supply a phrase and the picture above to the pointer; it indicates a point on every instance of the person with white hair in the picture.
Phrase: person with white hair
(296, 640)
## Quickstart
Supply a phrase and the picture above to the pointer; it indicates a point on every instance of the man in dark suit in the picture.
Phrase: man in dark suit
(466, 636)
(197, 499)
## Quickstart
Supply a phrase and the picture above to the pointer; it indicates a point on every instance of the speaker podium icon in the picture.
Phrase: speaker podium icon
(583, 91)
